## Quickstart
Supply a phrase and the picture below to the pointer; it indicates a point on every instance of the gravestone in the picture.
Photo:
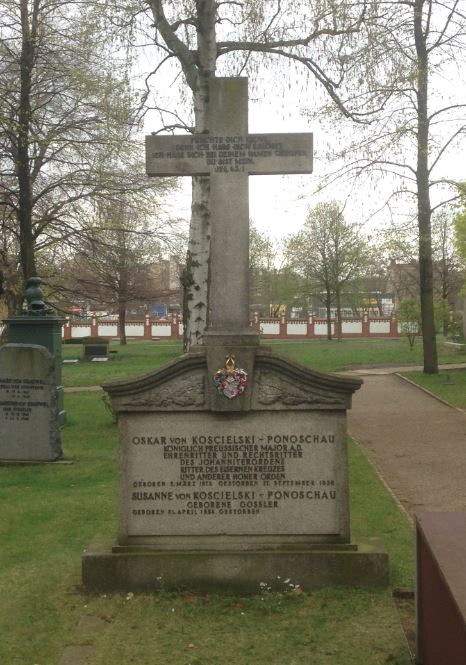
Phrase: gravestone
(233, 460)
(40, 325)
(29, 427)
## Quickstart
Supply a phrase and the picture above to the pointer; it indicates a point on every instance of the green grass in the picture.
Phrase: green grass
(138, 358)
(337, 356)
(450, 386)
(134, 359)
(51, 513)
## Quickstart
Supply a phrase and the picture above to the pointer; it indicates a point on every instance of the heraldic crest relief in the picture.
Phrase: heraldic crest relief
(231, 381)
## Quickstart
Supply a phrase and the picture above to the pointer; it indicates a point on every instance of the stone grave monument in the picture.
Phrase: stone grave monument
(40, 324)
(233, 460)
(29, 425)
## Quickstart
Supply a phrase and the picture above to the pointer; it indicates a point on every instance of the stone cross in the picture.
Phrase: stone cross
(228, 154)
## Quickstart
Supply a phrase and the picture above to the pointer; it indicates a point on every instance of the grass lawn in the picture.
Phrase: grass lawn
(134, 359)
(348, 354)
(51, 513)
(141, 357)
(450, 386)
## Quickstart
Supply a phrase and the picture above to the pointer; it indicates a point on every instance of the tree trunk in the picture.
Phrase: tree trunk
(445, 294)
(197, 277)
(423, 197)
(328, 303)
(196, 274)
(122, 321)
(338, 304)
(23, 170)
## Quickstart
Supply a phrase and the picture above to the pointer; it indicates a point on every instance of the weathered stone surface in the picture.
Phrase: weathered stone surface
(221, 501)
(90, 625)
(77, 654)
(365, 564)
(29, 427)
(271, 473)
(280, 473)
(233, 461)
(229, 155)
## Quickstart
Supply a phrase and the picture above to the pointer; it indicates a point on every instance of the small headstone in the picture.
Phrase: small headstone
(93, 349)
(29, 426)
(70, 361)
(99, 360)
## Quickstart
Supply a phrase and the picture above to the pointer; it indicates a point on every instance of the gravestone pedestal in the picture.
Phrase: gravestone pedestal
(222, 501)
(44, 330)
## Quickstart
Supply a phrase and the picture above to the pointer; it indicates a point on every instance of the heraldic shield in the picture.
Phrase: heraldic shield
(231, 381)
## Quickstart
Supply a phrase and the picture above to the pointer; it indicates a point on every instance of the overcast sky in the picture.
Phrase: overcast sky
(278, 204)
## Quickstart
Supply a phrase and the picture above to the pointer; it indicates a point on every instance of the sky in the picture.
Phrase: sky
(278, 205)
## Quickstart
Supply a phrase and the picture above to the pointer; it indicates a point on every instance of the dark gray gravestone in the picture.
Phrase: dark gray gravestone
(29, 425)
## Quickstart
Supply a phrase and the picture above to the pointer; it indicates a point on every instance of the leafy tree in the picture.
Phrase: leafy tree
(459, 223)
(331, 254)
(273, 281)
(409, 317)
(399, 244)
(460, 242)
(65, 112)
(447, 273)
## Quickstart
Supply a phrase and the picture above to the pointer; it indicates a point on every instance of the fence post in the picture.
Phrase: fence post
(394, 327)
(94, 327)
(147, 327)
(67, 328)
(366, 330)
(256, 326)
(282, 326)
(310, 325)
(175, 326)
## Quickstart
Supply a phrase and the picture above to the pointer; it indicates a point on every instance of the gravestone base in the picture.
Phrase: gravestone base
(119, 568)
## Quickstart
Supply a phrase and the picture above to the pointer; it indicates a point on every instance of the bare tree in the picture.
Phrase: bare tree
(418, 126)
(321, 38)
(111, 264)
(65, 112)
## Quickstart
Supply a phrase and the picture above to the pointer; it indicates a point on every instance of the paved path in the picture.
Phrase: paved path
(416, 442)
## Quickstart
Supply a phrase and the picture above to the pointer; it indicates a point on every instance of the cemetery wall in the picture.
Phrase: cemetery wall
(172, 328)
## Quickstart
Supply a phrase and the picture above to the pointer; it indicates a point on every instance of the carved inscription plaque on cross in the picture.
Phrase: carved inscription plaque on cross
(228, 154)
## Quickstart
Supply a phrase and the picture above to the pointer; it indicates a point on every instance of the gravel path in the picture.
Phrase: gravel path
(416, 443)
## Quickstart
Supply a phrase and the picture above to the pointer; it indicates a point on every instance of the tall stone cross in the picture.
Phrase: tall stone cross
(228, 154)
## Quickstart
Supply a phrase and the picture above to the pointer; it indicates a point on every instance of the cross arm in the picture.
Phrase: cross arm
(203, 154)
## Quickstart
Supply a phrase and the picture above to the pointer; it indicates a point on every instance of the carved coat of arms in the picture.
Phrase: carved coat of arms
(231, 381)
